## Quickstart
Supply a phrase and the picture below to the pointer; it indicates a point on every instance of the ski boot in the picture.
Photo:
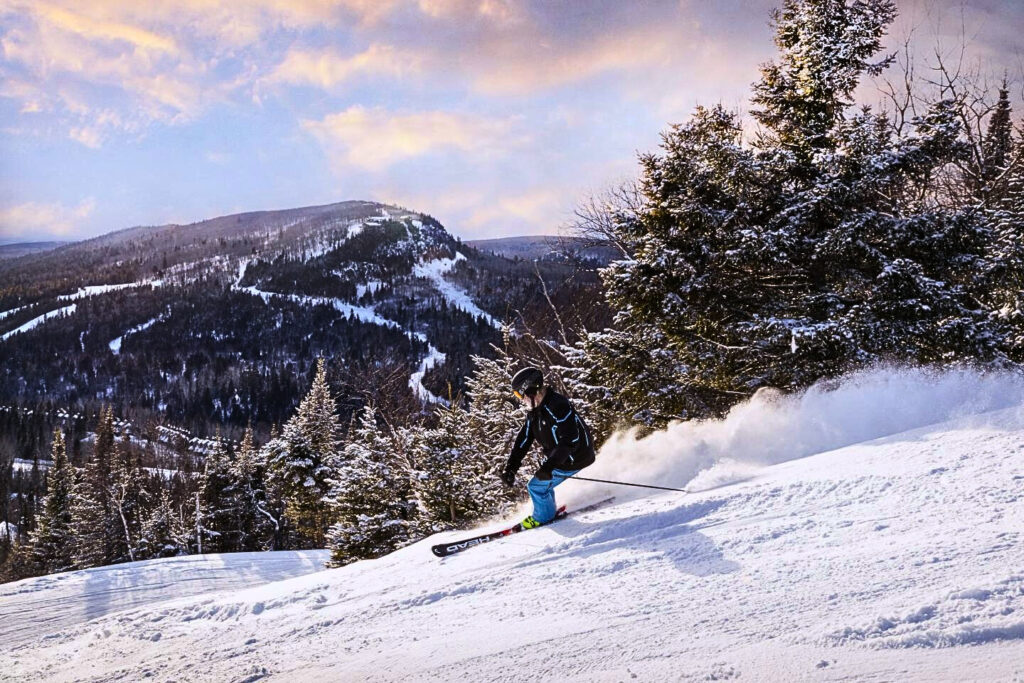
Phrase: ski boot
(529, 523)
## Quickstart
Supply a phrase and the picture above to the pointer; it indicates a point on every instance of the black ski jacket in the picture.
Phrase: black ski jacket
(561, 433)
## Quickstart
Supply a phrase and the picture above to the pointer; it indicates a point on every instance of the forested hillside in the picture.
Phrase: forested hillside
(216, 324)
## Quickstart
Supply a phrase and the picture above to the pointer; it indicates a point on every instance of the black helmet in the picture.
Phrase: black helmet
(527, 382)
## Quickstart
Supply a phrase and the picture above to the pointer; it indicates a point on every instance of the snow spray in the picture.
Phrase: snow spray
(772, 427)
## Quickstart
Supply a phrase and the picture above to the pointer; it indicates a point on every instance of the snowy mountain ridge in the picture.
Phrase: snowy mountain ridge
(892, 553)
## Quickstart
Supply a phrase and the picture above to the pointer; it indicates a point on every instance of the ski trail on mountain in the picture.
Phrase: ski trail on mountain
(367, 314)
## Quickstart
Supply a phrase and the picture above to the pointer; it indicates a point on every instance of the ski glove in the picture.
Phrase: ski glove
(542, 474)
(509, 477)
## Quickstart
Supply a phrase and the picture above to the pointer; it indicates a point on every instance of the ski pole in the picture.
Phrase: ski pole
(626, 483)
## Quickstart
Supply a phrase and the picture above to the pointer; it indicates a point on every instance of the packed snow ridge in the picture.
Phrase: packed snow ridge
(868, 532)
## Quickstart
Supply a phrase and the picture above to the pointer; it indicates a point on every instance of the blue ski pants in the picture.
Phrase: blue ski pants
(543, 494)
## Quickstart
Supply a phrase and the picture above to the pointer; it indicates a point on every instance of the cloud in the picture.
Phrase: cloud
(484, 210)
(374, 139)
(526, 66)
(98, 76)
(31, 220)
(501, 12)
(90, 137)
(219, 158)
(105, 30)
(326, 69)
(544, 206)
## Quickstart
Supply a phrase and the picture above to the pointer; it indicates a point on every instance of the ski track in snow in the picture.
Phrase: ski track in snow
(4, 314)
(882, 560)
(433, 358)
(95, 290)
(92, 290)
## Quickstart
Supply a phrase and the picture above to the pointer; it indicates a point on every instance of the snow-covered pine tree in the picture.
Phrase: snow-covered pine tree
(1005, 278)
(301, 459)
(455, 479)
(95, 524)
(820, 249)
(273, 491)
(628, 376)
(704, 260)
(216, 523)
(53, 542)
(824, 48)
(370, 495)
(126, 495)
(163, 533)
(493, 415)
(252, 525)
(997, 149)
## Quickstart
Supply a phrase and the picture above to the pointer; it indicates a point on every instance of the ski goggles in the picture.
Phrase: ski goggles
(521, 395)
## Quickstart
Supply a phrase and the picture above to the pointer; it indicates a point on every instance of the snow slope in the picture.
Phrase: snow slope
(60, 601)
(366, 314)
(893, 555)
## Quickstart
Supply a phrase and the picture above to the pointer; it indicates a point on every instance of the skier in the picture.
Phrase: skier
(562, 434)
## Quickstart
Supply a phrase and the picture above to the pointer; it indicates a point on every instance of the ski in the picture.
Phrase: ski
(452, 547)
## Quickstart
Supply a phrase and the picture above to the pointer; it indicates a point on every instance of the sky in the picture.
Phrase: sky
(498, 117)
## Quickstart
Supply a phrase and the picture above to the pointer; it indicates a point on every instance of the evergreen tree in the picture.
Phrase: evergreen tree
(94, 518)
(1005, 278)
(164, 532)
(816, 251)
(997, 147)
(20, 563)
(370, 496)
(493, 416)
(274, 491)
(454, 478)
(126, 496)
(217, 523)
(53, 542)
(301, 459)
(824, 48)
(252, 523)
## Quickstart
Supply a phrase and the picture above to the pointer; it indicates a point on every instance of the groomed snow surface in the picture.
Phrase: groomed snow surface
(883, 544)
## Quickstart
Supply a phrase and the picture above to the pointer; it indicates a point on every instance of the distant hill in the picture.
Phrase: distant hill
(550, 247)
(17, 249)
(218, 323)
